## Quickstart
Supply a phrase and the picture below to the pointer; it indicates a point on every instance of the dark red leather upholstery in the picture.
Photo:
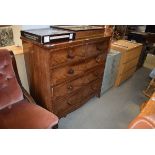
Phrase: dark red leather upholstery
(10, 91)
(15, 111)
(23, 115)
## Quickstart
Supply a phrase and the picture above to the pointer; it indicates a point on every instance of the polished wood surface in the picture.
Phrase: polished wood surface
(68, 88)
(69, 104)
(64, 76)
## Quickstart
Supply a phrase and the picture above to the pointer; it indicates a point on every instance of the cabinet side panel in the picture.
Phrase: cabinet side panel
(37, 67)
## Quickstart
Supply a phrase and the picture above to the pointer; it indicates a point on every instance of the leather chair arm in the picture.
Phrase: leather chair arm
(144, 122)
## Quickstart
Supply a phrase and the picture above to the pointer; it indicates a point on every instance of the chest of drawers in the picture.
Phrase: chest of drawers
(130, 53)
(63, 76)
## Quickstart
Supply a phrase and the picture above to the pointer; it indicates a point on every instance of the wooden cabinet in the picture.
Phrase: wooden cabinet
(130, 53)
(63, 76)
(67, 55)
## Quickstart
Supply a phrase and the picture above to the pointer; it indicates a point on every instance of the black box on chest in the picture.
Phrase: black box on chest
(48, 35)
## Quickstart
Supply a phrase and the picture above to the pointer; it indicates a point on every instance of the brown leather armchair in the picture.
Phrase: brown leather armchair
(17, 108)
(146, 118)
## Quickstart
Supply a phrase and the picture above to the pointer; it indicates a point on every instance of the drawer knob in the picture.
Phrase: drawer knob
(99, 48)
(69, 102)
(96, 74)
(70, 87)
(71, 71)
(93, 88)
(98, 59)
(70, 55)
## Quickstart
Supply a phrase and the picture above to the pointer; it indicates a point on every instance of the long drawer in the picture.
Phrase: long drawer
(126, 75)
(72, 71)
(68, 88)
(132, 54)
(69, 103)
(129, 65)
(77, 53)
(67, 55)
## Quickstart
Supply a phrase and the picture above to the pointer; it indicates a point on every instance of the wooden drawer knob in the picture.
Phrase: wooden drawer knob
(98, 59)
(93, 88)
(69, 102)
(99, 49)
(71, 71)
(70, 54)
(96, 74)
(70, 87)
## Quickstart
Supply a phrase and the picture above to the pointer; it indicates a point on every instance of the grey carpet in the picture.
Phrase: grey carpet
(114, 110)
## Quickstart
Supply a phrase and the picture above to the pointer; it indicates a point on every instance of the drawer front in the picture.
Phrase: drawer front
(125, 67)
(96, 61)
(67, 55)
(70, 103)
(93, 49)
(69, 72)
(65, 73)
(128, 74)
(130, 55)
(69, 88)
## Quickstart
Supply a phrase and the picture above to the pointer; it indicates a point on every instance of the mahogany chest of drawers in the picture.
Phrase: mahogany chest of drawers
(130, 53)
(64, 76)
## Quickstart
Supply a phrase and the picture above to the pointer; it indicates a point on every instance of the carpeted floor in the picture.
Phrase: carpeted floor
(114, 110)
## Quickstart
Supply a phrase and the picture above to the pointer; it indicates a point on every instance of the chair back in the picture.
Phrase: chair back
(10, 90)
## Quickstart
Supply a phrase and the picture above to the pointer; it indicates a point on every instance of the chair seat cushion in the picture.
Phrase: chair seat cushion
(24, 115)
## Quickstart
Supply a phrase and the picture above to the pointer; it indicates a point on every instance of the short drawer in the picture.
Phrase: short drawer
(127, 75)
(131, 64)
(67, 55)
(96, 61)
(130, 55)
(70, 87)
(70, 103)
(96, 48)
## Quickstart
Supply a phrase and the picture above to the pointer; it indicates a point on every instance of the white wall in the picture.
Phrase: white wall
(20, 57)
(18, 28)
(27, 27)
(16, 34)
(22, 70)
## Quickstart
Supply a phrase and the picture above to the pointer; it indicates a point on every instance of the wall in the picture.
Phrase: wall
(22, 70)
(20, 57)
(16, 34)
(18, 28)
(27, 27)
